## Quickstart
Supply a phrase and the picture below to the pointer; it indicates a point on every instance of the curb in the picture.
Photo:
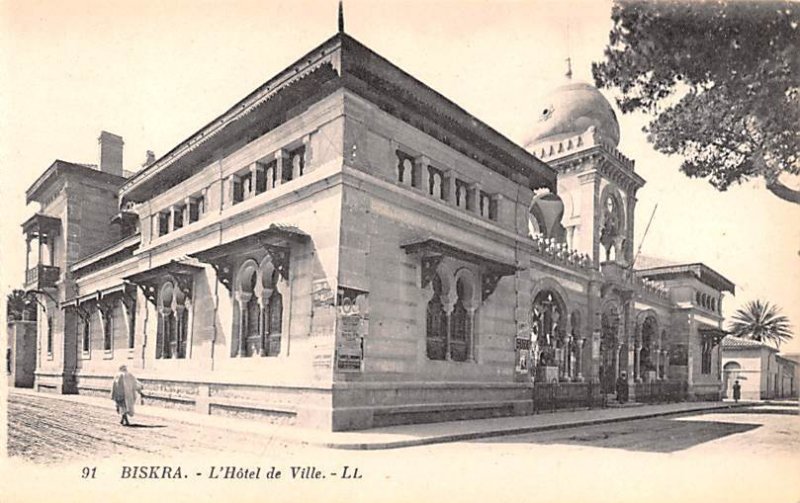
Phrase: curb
(508, 432)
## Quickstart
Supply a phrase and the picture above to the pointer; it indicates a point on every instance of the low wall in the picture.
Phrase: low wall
(285, 405)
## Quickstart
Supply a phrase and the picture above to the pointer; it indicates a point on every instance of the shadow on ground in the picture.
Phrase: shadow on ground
(783, 411)
(652, 435)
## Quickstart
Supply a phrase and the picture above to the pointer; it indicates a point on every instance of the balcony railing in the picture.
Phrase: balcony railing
(41, 276)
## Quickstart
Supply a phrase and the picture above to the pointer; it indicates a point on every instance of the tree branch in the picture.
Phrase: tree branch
(783, 192)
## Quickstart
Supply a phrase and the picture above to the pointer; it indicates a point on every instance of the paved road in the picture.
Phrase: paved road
(48, 430)
(750, 455)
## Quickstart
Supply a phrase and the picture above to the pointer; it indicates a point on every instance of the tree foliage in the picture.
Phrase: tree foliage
(721, 81)
(20, 306)
(761, 321)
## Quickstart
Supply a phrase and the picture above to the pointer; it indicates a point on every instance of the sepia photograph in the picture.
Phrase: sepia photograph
(400, 250)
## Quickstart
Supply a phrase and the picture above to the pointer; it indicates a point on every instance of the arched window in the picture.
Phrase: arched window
(436, 323)
(258, 311)
(649, 335)
(460, 325)
(173, 317)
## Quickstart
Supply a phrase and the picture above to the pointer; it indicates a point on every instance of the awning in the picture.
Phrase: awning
(716, 334)
(40, 224)
(275, 240)
(433, 250)
(150, 280)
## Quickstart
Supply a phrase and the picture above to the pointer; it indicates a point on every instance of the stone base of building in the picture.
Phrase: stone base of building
(348, 406)
(359, 406)
(307, 407)
(54, 382)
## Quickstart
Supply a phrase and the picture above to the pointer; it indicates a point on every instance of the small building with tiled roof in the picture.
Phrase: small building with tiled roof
(761, 372)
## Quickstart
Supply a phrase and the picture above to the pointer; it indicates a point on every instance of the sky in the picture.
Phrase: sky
(154, 72)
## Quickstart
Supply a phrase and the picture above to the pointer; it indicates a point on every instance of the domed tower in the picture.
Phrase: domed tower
(577, 133)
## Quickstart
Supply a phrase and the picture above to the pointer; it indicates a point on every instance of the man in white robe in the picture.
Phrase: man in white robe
(123, 392)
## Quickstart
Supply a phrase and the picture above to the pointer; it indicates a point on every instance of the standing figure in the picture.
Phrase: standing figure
(622, 388)
(737, 391)
(123, 392)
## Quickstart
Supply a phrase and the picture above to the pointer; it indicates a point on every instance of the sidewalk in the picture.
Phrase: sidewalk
(407, 435)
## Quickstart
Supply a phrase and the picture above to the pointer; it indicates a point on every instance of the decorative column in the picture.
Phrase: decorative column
(166, 331)
(658, 362)
(243, 298)
(637, 363)
(422, 164)
(474, 198)
(280, 161)
(567, 357)
(448, 312)
(450, 186)
(307, 154)
(579, 359)
(666, 364)
(471, 342)
(254, 169)
(297, 165)
(264, 327)
(27, 253)
(617, 356)
(231, 192)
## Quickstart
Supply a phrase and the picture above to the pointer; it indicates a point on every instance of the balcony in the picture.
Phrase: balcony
(41, 276)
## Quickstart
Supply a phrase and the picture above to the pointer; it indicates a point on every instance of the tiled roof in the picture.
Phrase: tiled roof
(731, 342)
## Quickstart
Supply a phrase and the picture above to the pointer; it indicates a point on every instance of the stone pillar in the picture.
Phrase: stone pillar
(617, 356)
(474, 198)
(666, 364)
(254, 169)
(447, 307)
(567, 357)
(471, 342)
(243, 299)
(280, 165)
(174, 210)
(180, 333)
(422, 164)
(297, 165)
(637, 364)
(658, 362)
(27, 253)
(307, 154)
(449, 183)
(579, 359)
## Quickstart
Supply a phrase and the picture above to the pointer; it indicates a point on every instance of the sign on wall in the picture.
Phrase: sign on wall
(351, 328)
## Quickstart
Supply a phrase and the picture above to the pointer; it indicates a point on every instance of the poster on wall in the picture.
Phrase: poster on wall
(523, 355)
(351, 326)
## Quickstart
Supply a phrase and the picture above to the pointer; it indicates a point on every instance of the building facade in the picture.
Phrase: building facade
(346, 248)
(762, 373)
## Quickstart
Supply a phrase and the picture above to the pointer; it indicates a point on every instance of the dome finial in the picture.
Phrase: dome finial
(569, 69)
(341, 17)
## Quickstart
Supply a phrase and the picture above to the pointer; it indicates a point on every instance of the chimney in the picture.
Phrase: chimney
(151, 158)
(110, 153)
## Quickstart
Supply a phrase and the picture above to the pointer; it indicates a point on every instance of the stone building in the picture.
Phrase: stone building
(347, 248)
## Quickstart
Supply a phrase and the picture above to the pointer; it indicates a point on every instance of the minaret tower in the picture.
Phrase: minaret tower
(577, 133)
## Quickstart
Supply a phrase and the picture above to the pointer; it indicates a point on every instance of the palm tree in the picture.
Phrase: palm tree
(19, 306)
(761, 321)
